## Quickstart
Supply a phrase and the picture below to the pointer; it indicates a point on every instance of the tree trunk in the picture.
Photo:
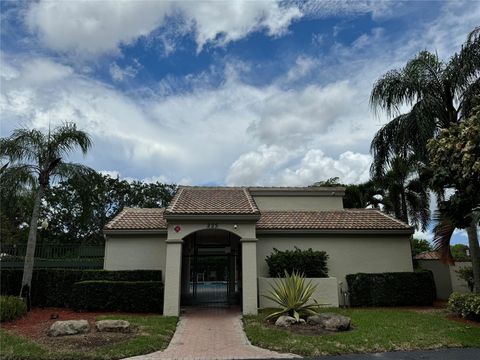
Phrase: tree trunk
(474, 254)
(404, 217)
(30, 253)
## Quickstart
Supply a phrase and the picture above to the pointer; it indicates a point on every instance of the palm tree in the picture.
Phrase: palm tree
(439, 94)
(35, 157)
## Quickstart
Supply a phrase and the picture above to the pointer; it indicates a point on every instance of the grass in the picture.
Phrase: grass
(155, 334)
(375, 330)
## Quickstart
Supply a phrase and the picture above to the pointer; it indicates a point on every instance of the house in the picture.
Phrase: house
(211, 242)
(445, 275)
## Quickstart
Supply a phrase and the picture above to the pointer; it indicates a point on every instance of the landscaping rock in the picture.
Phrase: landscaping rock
(330, 321)
(113, 326)
(285, 321)
(69, 327)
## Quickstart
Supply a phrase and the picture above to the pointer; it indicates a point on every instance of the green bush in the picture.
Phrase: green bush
(130, 296)
(310, 263)
(466, 274)
(11, 308)
(465, 305)
(122, 275)
(391, 289)
(52, 287)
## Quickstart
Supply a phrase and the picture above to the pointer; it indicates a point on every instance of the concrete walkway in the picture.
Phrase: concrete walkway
(209, 333)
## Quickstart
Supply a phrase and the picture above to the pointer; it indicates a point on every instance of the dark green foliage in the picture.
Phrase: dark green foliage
(310, 263)
(391, 289)
(459, 252)
(52, 287)
(131, 296)
(122, 275)
(466, 274)
(419, 245)
(11, 308)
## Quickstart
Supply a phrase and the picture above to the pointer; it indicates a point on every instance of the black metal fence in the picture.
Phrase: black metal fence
(54, 256)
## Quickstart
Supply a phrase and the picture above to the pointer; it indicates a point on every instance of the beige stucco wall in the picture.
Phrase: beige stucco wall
(446, 279)
(459, 285)
(326, 291)
(135, 252)
(298, 202)
(348, 254)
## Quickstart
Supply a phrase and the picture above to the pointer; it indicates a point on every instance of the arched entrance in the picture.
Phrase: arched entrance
(211, 269)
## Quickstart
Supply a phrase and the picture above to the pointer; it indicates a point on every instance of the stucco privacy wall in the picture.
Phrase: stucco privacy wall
(348, 254)
(326, 291)
(135, 252)
(446, 279)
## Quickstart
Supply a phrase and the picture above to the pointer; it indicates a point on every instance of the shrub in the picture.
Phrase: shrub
(52, 287)
(465, 305)
(313, 264)
(466, 273)
(392, 289)
(131, 296)
(11, 308)
(292, 294)
(122, 275)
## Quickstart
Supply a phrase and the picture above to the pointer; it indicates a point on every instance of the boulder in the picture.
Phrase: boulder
(330, 321)
(285, 321)
(113, 326)
(69, 327)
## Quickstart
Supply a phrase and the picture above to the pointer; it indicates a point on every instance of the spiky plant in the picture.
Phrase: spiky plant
(294, 296)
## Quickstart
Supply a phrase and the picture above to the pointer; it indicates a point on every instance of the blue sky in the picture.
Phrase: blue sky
(217, 92)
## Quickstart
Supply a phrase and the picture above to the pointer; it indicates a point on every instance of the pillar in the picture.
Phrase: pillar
(171, 302)
(249, 276)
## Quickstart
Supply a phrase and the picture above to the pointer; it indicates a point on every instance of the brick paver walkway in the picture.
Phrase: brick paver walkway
(209, 333)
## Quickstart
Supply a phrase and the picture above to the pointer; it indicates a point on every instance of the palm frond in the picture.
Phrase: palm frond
(71, 170)
(67, 138)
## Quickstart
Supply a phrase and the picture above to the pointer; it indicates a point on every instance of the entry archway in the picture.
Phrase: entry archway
(211, 269)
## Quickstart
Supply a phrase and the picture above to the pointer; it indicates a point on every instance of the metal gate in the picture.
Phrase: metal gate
(214, 276)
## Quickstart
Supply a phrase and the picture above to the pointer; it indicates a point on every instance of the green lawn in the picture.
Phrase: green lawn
(375, 330)
(154, 334)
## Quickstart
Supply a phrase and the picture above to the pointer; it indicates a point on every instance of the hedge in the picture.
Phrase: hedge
(11, 308)
(391, 289)
(312, 264)
(465, 305)
(131, 296)
(53, 287)
(122, 275)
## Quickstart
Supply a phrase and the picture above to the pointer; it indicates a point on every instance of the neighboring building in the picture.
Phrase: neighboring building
(446, 278)
(211, 242)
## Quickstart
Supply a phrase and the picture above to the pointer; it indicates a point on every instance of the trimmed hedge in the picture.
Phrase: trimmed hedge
(312, 264)
(465, 305)
(11, 308)
(392, 289)
(130, 296)
(53, 287)
(122, 275)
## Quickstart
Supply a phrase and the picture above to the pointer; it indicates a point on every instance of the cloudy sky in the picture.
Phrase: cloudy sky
(219, 92)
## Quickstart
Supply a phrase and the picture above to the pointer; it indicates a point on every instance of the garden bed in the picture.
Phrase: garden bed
(26, 338)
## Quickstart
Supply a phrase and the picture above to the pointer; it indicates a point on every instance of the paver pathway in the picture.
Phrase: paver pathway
(210, 333)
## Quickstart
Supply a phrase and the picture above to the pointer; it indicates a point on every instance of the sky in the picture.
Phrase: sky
(217, 92)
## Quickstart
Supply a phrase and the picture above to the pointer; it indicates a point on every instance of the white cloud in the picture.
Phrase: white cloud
(96, 27)
(276, 165)
(303, 66)
(120, 74)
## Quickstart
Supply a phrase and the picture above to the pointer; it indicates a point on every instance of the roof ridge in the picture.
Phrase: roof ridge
(394, 219)
(117, 217)
(250, 200)
(175, 199)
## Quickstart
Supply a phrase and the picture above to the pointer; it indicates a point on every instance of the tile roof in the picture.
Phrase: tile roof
(138, 219)
(348, 219)
(212, 200)
(428, 255)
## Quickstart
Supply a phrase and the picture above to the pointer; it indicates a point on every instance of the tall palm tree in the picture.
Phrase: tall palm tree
(36, 157)
(438, 93)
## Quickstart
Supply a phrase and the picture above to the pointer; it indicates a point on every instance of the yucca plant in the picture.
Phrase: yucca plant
(292, 294)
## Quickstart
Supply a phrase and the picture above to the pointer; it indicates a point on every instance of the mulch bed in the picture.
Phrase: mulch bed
(35, 325)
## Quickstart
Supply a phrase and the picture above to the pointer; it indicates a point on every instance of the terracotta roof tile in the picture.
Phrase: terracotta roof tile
(212, 200)
(138, 219)
(428, 255)
(348, 219)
